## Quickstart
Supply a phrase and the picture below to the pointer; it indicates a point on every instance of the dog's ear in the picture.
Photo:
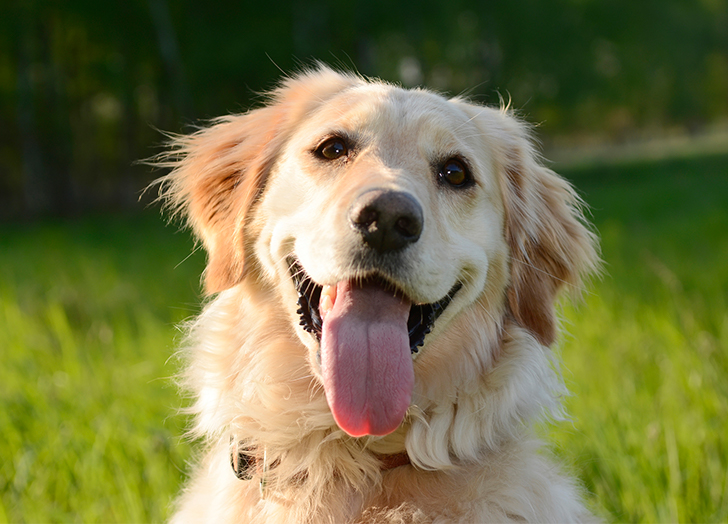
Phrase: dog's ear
(551, 244)
(219, 172)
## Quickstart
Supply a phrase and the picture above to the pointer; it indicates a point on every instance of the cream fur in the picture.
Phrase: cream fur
(254, 195)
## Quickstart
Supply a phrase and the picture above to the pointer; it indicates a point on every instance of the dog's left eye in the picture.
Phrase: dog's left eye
(332, 149)
(455, 174)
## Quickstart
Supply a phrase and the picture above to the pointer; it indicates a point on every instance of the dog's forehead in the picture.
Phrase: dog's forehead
(392, 114)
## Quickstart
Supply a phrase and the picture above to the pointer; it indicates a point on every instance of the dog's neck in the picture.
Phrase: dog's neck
(247, 463)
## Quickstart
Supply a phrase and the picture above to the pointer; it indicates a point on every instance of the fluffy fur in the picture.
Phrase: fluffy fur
(256, 194)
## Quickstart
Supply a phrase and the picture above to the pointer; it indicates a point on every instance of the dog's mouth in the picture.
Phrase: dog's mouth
(367, 331)
(420, 321)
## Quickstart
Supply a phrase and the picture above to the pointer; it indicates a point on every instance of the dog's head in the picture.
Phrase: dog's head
(378, 215)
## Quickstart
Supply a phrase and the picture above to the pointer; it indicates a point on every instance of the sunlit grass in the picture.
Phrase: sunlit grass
(87, 316)
(647, 352)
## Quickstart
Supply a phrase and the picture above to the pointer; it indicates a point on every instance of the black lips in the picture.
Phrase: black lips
(420, 322)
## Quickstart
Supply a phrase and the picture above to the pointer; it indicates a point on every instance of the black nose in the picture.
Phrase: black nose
(387, 220)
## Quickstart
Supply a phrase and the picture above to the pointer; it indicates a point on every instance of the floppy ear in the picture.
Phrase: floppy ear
(551, 245)
(219, 172)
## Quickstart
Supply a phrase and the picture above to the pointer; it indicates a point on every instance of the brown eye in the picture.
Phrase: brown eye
(455, 174)
(332, 149)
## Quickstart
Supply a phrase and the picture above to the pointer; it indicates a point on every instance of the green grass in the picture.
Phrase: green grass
(87, 414)
(647, 352)
(87, 316)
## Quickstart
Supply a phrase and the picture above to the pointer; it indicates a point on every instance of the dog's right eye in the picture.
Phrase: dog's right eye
(332, 149)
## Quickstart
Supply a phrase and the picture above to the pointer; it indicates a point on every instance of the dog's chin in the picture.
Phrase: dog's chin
(420, 321)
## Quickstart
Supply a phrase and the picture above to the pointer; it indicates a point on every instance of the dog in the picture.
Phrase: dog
(383, 265)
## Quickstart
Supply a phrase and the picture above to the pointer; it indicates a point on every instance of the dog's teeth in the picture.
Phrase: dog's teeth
(326, 303)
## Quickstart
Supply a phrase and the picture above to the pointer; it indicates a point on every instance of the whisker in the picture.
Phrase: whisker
(195, 249)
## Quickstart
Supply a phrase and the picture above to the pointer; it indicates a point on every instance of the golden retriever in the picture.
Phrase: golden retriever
(383, 265)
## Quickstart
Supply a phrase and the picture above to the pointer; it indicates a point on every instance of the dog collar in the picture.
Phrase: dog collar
(247, 464)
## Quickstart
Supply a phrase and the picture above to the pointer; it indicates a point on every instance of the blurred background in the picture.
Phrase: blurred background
(85, 86)
(630, 101)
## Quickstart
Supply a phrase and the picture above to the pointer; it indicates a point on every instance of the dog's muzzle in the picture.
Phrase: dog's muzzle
(364, 323)
(387, 222)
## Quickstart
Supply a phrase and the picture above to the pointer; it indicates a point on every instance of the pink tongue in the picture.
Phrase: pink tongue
(365, 359)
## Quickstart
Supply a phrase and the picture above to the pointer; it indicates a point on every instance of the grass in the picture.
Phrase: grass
(87, 316)
(647, 353)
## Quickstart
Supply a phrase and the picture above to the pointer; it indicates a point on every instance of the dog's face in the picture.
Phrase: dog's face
(382, 212)
(379, 215)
